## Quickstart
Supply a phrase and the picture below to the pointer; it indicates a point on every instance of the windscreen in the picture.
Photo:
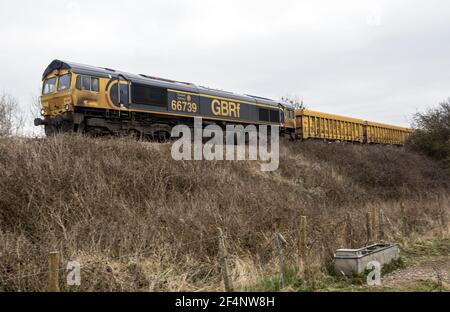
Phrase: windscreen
(64, 82)
(49, 85)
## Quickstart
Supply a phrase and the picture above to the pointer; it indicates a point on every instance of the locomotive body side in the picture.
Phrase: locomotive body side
(108, 101)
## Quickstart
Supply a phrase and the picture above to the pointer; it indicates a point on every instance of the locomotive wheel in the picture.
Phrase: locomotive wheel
(162, 136)
(50, 130)
(66, 127)
(81, 128)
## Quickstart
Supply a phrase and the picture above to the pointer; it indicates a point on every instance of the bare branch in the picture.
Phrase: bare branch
(11, 119)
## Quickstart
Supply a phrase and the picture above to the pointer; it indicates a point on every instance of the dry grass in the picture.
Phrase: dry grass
(139, 221)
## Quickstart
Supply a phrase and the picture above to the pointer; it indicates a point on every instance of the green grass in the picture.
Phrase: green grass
(272, 283)
(393, 266)
(436, 248)
(411, 254)
(417, 286)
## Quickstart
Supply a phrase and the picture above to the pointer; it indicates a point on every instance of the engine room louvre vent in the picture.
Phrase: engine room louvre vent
(148, 95)
(269, 115)
(264, 114)
(274, 116)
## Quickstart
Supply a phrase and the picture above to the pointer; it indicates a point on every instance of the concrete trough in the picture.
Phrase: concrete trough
(354, 261)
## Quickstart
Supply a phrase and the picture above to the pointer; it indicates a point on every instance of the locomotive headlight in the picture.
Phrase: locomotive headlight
(67, 107)
(43, 111)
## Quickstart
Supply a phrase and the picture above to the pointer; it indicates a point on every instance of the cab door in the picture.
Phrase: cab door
(120, 94)
(289, 118)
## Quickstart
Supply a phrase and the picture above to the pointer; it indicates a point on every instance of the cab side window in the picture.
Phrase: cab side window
(94, 84)
(289, 114)
(87, 83)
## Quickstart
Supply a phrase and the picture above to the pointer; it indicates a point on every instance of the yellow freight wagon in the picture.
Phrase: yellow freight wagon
(386, 134)
(311, 124)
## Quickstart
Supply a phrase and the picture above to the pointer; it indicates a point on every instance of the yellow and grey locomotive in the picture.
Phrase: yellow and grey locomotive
(101, 100)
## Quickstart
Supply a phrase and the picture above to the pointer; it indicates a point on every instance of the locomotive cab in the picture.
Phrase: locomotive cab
(65, 92)
(56, 99)
(288, 120)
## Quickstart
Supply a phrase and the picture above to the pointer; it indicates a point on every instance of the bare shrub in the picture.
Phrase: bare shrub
(138, 220)
(11, 120)
(33, 113)
(432, 133)
(293, 100)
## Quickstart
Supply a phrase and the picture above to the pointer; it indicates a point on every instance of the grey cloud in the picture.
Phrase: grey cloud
(377, 60)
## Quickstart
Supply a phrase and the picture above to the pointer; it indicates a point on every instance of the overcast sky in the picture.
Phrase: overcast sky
(376, 60)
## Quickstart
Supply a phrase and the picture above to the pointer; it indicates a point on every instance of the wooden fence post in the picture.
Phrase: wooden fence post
(223, 262)
(381, 235)
(302, 239)
(348, 231)
(302, 236)
(280, 242)
(373, 222)
(405, 229)
(443, 218)
(446, 221)
(368, 227)
(53, 271)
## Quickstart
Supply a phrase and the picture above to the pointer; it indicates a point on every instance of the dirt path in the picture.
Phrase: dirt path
(430, 273)
(427, 269)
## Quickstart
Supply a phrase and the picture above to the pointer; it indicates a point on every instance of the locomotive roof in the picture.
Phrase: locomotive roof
(154, 81)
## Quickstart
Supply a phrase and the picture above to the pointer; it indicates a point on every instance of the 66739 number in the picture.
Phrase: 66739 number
(184, 106)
